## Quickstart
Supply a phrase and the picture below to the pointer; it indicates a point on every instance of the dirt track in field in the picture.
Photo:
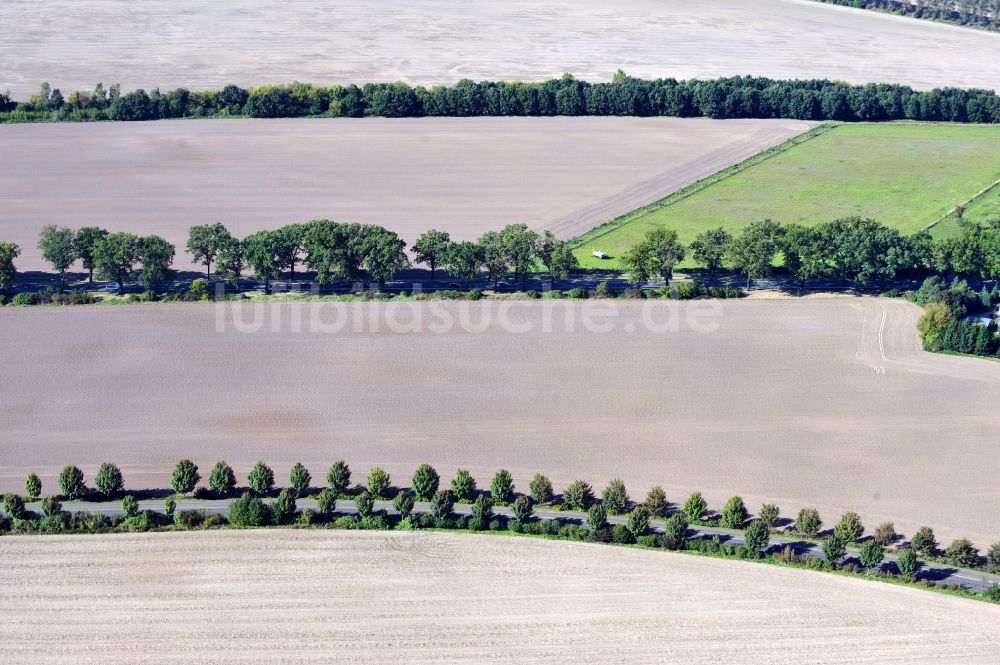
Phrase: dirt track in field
(322, 597)
(786, 401)
(164, 44)
(462, 175)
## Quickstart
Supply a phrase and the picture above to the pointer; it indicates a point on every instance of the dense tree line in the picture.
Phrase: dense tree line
(731, 97)
(975, 13)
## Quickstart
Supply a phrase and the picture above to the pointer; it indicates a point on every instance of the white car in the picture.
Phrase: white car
(599, 254)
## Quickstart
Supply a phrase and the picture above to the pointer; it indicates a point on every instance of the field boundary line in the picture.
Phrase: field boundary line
(965, 204)
(700, 185)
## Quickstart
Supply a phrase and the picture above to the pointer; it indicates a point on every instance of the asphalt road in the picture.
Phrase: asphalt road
(936, 572)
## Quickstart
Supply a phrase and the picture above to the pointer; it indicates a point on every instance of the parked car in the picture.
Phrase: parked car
(111, 287)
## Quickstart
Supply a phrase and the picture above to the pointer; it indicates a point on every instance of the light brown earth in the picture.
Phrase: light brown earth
(170, 43)
(787, 401)
(462, 175)
(341, 597)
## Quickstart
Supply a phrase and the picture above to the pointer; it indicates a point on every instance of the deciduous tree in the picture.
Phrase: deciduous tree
(109, 480)
(185, 477)
(57, 246)
(115, 257)
(431, 249)
(206, 241)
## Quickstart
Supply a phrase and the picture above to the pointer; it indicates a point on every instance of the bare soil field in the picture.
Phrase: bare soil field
(825, 403)
(166, 44)
(362, 597)
(462, 175)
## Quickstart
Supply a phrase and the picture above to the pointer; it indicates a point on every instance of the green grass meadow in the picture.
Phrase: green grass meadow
(906, 175)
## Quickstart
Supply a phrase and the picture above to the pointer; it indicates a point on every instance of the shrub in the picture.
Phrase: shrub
(32, 486)
(808, 522)
(169, 506)
(482, 510)
(130, 506)
(188, 519)
(769, 514)
(283, 508)
(675, 533)
(198, 289)
(907, 563)
(299, 478)
(684, 291)
(962, 553)
(22, 299)
(638, 521)
(261, 479)
(347, 522)
(55, 523)
(425, 482)
(463, 486)
(694, 507)
(140, 522)
(442, 504)
(89, 522)
(622, 535)
(326, 502)
(923, 541)
(734, 513)
(378, 482)
(603, 291)
(502, 486)
(849, 529)
(364, 503)
(71, 483)
(51, 506)
(993, 558)
(541, 489)
(615, 497)
(756, 536)
(834, 548)
(307, 517)
(554, 294)
(185, 477)
(249, 511)
(108, 480)
(403, 503)
(523, 509)
(578, 495)
(885, 533)
(222, 479)
(656, 502)
(13, 505)
(374, 523)
(474, 294)
(871, 554)
(577, 293)
(597, 517)
(339, 477)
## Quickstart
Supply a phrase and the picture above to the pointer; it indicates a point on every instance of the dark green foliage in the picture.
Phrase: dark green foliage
(734, 513)
(615, 497)
(709, 248)
(694, 507)
(756, 536)
(115, 257)
(871, 554)
(834, 548)
(378, 482)
(170, 506)
(130, 506)
(326, 502)
(578, 495)
(482, 512)
(339, 477)
(189, 519)
(523, 509)
(32, 486)
(108, 480)
(185, 477)
(425, 482)
(283, 508)
(431, 248)
(403, 503)
(249, 511)
(808, 522)
(463, 486)
(502, 487)
(442, 504)
(89, 522)
(849, 529)
(656, 502)
(638, 521)
(299, 478)
(993, 558)
(307, 517)
(622, 535)
(156, 256)
(51, 506)
(261, 479)
(924, 542)
(769, 514)
(597, 517)
(13, 505)
(206, 241)
(907, 562)
(71, 482)
(541, 489)
(963, 553)
(675, 533)
(364, 503)
(222, 479)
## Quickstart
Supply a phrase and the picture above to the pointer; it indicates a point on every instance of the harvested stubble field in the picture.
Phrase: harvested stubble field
(363, 597)
(171, 43)
(828, 403)
(905, 175)
(462, 175)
